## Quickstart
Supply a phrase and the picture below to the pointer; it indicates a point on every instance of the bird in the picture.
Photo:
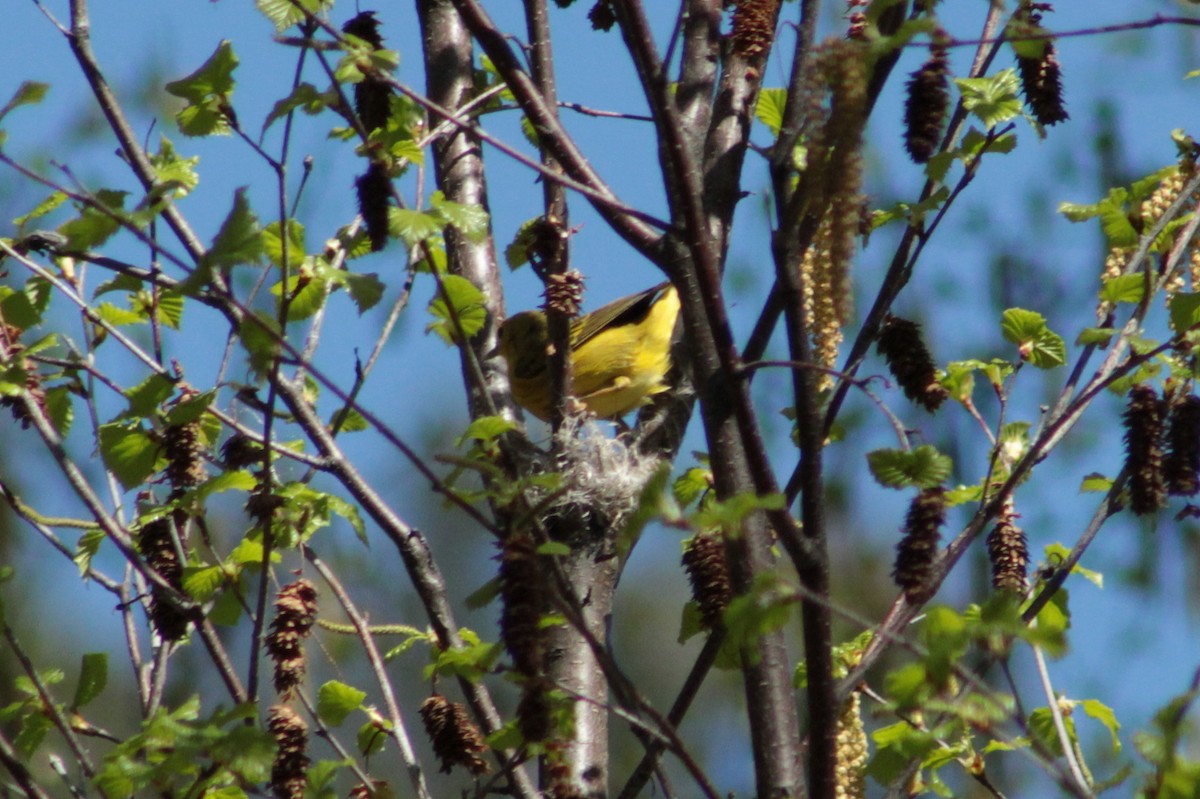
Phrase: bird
(620, 354)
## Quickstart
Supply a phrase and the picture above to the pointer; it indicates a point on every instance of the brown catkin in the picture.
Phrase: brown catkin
(10, 350)
(753, 27)
(295, 614)
(1143, 450)
(374, 189)
(1041, 78)
(289, 772)
(910, 362)
(1182, 466)
(455, 738)
(1008, 553)
(372, 95)
(533, 712)
(708, 572)
(183, 445)
(157, 545)
(917, 550)
(928, 103)
(522, 590)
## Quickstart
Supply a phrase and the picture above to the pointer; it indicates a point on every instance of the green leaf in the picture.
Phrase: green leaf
(1104, 714)
(691, 485)
(172, 173)
(47, 205)
(145, 398)
(273, 242)
(304, 97)
(923, 467)
(306, 295)
(770, 106)
(372, 736)
(1095, 483)
(203, 582)
(283, 14)
(1053, 621)
(1057, 553)
(1041, 724)
(60, 408)
(1035, 342)
(1098, 336)
(207, 92)
(1124, 288)
(470, 220)
(516, 254)
(336, 701)
(413, 226)
(93, 677)
(28, 93)
(93, 226)
(896, 747)
(992, 99)
(129, 452)
(1185, 311)
(366, 290)
(118, 316)
(486, 429)
(259, 335)
(86, 549)
(240, 240)
(469, 313)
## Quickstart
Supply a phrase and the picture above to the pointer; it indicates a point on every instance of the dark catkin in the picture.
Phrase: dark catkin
(289, 772)
(240, 451)
(374, 189)
(1041, 77)
(295, 614)
(523, 593)
(372, 95)
(910, 362)
(1143, 450)
(927, 103)
(1182, 465)
(1008, 553)
(455, 738)
(603, 16)
(533, 712)
(157, 545)
(917, 550)
(708, 572)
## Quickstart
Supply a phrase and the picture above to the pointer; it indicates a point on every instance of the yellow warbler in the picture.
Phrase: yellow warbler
(620, 354)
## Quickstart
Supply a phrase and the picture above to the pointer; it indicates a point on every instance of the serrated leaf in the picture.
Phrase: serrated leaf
(691, 485)
(457, 308)
(93, 677)
(305, 97)
(413, 226)
(128, 452)
(207, 92)
(240, 239)
(1104, 714)
(60, 408)
(1035, 342)
(273, 242)
(923, 467)
(486, 429)
(202, 582)
(283, 14)
(1124, 288)
(366, 290)
(769, 108)
(1097, 336)
(118, 316)
(1185, 311)
(992, 99)
(470, 220)
(56, 199)
(93, 226)
(145, 398)
(259, 335)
